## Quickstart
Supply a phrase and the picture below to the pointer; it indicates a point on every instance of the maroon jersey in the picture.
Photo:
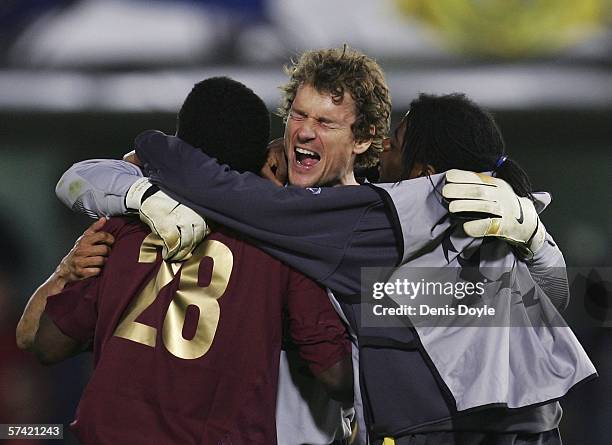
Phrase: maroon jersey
(187, 353)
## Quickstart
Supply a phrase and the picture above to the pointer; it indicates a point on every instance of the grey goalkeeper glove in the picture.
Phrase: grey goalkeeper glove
(512, 218)
(180, 228)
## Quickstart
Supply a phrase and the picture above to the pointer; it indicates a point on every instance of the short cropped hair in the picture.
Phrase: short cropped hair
(335, 71)
(227, 121)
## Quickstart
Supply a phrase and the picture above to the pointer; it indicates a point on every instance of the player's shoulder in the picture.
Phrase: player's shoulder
(244, 248)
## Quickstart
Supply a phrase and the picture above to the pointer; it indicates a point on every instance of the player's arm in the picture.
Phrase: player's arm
(51, 345)
(95, 191)
(100, 187)
(30, 319)
(85, 259)
(513, 219)
(507, 216)
(309, 232)
(306, 230)
(209, 187)
(320, 336)
(548, 269)
(338, 380)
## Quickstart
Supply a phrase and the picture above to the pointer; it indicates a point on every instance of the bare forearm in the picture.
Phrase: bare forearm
(338, 381)
(30, 319)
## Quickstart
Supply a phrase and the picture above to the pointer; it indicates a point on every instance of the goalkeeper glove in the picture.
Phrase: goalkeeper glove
(180, 228)
(510, 217)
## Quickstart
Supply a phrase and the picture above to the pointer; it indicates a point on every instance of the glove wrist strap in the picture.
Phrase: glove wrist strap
(135, 193)
(537, 238)
(148, 192)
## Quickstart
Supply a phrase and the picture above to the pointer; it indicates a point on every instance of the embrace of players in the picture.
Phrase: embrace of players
(186, 310)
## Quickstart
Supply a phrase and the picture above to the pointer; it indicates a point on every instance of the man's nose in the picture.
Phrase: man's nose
(307, 131)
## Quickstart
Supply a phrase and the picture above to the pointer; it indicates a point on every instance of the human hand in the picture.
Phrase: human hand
(502, 214)
(88, 255)
(180, 228)
(275, 168)
(132, 158)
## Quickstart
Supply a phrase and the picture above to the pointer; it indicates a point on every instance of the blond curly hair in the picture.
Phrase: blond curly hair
(335, 71)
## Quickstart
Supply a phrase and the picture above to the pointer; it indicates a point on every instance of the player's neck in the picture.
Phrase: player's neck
(348, 179)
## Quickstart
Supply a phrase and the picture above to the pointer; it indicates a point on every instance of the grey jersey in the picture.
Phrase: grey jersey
(526, 345)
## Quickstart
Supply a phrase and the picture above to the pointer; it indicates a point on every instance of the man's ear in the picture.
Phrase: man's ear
(362, 147)
(428, 170)
(420, 170)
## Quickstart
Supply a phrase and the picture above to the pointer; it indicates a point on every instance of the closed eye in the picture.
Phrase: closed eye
(328, 124)
(296, 115)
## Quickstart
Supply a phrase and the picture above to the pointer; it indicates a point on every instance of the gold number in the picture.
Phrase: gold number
(129, 328)
(205, 299)
(188, 294)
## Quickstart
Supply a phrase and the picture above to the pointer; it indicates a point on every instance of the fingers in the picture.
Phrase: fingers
(93, 244)
(281, 166)
(275, 168)
(467, 177)
(91, 239)
(103, 238)
(282, 175)
(170, 251)
(96, 244)
(88, 256)
(76, 266)
(91, 261)
(469, 191)
(89, 272)
(482, 227)
(132, 157)
(186, 247)
(87, 267)
(95, 235)
(171, 238)
(168, 231)
(96, 226)
(190, 237)
(267, 172)
(176, 256)
(101, 250)
(475, 206)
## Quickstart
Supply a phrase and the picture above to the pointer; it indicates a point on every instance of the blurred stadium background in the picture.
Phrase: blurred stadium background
(81, 78)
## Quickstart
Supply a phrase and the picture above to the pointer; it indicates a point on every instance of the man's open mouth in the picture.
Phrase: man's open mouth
(306, 158)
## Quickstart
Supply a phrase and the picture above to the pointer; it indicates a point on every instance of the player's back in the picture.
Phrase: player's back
(184, 352)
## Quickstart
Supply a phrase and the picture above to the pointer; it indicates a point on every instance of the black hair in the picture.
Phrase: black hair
(227, 121)
(451, 131)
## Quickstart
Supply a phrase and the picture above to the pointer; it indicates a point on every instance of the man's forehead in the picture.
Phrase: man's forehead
(324, 101)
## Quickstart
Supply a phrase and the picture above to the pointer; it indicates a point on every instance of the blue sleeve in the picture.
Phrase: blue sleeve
(327, 233)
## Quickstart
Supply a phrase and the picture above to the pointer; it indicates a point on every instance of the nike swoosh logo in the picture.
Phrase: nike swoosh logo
(520, 218)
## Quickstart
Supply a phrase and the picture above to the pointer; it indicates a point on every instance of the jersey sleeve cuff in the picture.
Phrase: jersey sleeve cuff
(73, 313)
